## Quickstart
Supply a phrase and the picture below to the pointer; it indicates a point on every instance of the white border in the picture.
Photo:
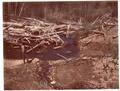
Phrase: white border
(1, 50)
(51, 0)
(119, 39)
(1, 39)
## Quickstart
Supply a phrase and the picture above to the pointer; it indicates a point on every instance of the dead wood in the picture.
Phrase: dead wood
(12, 24)
(29, 50)
(62, 57)
(34, 31)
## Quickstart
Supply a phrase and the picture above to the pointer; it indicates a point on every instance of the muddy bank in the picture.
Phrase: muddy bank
(75, 74)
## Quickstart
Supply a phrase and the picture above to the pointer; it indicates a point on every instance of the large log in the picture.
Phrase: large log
(12, 24)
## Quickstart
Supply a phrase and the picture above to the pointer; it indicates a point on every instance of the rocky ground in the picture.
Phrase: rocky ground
(92, 64)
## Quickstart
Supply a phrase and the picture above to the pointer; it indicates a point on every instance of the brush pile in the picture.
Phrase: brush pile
(34, 33)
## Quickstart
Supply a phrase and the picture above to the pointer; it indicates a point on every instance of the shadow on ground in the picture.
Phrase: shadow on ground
(48, 54)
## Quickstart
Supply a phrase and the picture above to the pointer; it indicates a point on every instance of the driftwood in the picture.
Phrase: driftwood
(32, 33)
(12, 24)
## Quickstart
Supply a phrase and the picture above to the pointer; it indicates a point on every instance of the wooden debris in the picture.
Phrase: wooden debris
(62, 56)
(12, 24)
(33, 33)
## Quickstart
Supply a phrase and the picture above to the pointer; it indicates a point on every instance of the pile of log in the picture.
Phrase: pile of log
(33, 30)
(33, 33)
(30, 33)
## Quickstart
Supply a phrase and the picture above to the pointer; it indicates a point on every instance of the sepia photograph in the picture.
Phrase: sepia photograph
(59, 45)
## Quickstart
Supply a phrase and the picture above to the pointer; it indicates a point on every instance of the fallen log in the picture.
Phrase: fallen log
(33, 36)
(13, 24)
